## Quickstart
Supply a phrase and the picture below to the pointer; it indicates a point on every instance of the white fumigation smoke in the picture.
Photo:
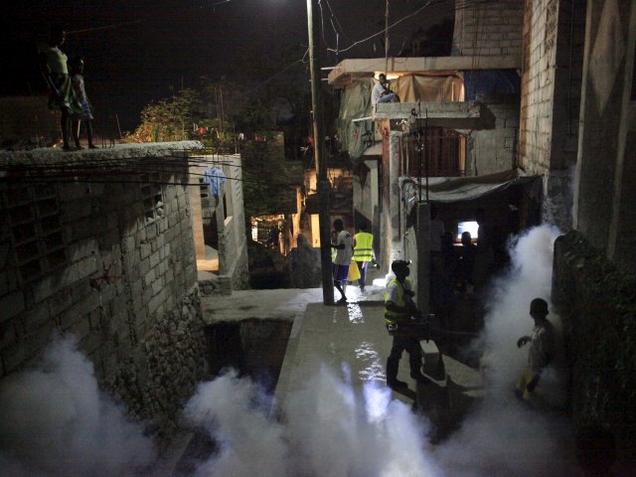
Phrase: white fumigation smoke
(505, 436)
(54, 420)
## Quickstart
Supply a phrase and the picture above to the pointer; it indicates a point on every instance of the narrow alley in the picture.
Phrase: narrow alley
(348, 238)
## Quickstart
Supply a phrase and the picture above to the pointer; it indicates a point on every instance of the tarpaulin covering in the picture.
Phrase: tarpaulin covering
(355, 103)
(457, 189)
(433, 88)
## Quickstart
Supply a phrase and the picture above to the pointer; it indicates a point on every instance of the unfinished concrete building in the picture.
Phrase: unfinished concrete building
(99, 244)
(218, 221)
(458, 116)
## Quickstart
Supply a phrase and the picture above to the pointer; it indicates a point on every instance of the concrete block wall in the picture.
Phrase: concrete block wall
(107, 262)
(235, 232)
(232, 235)
(494, 149)
(488, 27)
(537, 85)
(553, 46)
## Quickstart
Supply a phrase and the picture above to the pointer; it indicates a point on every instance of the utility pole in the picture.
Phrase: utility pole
(319, 159)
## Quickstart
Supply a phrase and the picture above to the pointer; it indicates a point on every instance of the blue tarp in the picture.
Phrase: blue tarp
(214, 177)
(479, 84)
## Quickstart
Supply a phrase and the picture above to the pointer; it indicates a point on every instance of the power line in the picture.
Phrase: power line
(384, 30)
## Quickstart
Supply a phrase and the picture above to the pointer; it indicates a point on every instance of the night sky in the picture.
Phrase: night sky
(162, 44)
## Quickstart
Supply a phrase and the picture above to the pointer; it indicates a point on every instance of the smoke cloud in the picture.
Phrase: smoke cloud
(232, 411)
(329, 430)
(55, 421)
(505, 436)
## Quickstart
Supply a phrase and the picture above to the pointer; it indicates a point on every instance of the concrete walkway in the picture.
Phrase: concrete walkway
(284, 304)
(354, 337)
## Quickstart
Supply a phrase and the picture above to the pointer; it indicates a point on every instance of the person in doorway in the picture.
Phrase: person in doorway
(54, 69)
(343, 245)
(86, 116)
(438, 286)
(382, 93)
(363, 253)
(541, 351)
(466, 264)
(399, 309)
(273, 240)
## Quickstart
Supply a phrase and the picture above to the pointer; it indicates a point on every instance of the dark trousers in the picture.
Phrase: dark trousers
(412, 347)
(362, 281)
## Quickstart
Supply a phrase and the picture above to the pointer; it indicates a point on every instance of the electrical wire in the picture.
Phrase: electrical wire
(77, 171)
(391, 26)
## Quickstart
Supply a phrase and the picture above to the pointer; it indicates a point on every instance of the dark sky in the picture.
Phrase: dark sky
(181, 40)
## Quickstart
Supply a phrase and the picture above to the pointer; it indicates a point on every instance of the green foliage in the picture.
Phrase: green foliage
(270, 180)
(167, 119)
(600, 319)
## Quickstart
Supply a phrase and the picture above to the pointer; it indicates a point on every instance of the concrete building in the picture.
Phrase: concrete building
(218, 220)
(99, 244)
(458, 116)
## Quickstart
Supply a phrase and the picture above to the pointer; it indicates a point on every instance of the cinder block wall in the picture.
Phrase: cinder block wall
(113, 264)
(537, 85)
(494, 150)
(491, 28)
(488, 27)
(553, 45)
(232, 237)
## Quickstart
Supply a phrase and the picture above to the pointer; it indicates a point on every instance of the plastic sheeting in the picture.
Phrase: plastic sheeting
(355, 103)
(437, 88)
(457, 189)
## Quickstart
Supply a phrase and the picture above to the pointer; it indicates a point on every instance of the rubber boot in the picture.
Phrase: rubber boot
(391, 374)
(415, 362)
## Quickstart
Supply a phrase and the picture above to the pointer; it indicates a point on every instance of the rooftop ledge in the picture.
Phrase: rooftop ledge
(51, 155)
(428, 110)
(346, 70)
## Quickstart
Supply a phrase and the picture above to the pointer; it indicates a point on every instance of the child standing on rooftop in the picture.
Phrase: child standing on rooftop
(86, 115)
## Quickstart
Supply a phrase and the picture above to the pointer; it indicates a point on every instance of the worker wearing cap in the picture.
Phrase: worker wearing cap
(399, 308)
(541, 351)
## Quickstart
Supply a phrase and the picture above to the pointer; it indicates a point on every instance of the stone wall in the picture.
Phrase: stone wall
(597, 303)
(107, 256)
(488, 28)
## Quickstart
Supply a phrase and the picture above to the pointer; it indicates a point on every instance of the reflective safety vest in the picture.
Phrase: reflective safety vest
(391, 317)
(363, 251)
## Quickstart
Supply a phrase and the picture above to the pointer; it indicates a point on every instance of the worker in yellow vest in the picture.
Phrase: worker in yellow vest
(363, 253)
(399, 309)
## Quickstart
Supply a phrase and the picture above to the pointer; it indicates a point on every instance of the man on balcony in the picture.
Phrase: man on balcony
(382, 92)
